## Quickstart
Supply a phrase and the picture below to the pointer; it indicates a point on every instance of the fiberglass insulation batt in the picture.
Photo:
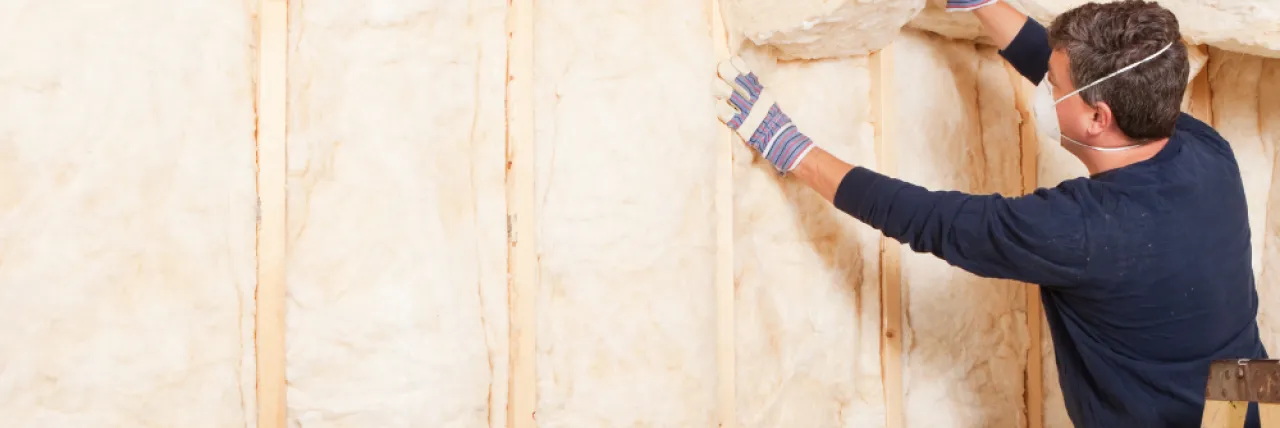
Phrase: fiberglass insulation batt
(624, 142)
(965, 336)
(807, 324)
(126, 214)
(397, 242)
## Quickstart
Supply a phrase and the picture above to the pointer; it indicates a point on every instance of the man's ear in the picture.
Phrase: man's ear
(1101, 120)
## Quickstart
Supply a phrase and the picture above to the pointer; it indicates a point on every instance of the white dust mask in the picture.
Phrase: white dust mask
(1046, 112)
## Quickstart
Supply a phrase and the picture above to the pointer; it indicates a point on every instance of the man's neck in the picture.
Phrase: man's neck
(1100, 162)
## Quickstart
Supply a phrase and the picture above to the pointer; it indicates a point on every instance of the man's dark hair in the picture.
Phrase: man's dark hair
(1102, 38)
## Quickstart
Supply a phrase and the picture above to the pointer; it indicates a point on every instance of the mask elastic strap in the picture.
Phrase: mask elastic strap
(1122, 70)
(1104, 149)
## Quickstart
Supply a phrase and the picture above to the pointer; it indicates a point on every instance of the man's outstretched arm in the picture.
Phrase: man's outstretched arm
(1037, 238)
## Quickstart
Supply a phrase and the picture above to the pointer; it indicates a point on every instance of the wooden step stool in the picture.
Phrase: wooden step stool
(1235, 383)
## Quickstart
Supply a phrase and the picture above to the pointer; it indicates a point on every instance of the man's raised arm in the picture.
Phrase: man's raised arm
(1000, 21)
(1023, 42)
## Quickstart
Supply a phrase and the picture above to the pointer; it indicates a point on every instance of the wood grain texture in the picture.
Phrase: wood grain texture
(522, 254)
(272, 234)
(882, 96)
(725, 287)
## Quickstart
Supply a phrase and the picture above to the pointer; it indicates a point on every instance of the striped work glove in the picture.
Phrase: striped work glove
(968, 5)
(748, 108)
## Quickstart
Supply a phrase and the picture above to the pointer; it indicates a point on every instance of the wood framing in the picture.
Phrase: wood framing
(1224, 414)
(522, 257)
(1244, 380)
(1233, 384)
(1029, 150)
(726, 346)
(269, 323)
(882, 86)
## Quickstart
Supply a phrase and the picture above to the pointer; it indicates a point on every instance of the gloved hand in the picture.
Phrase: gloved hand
(748, 108)
(968, 5)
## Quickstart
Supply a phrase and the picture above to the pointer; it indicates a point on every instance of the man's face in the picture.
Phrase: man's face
(1075, 118)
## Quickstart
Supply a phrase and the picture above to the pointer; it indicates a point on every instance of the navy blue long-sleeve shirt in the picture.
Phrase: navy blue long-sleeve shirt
(1145, 270)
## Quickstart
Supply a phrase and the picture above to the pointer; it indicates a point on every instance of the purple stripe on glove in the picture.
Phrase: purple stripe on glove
(959, 5)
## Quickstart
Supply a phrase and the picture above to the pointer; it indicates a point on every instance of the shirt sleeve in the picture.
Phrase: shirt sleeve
(1038, 238)
(1029, 51)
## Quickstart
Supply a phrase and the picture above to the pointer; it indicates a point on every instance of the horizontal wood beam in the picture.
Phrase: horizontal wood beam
(1244, 380)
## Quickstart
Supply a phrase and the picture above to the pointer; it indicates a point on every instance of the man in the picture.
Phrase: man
(1145, 264)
